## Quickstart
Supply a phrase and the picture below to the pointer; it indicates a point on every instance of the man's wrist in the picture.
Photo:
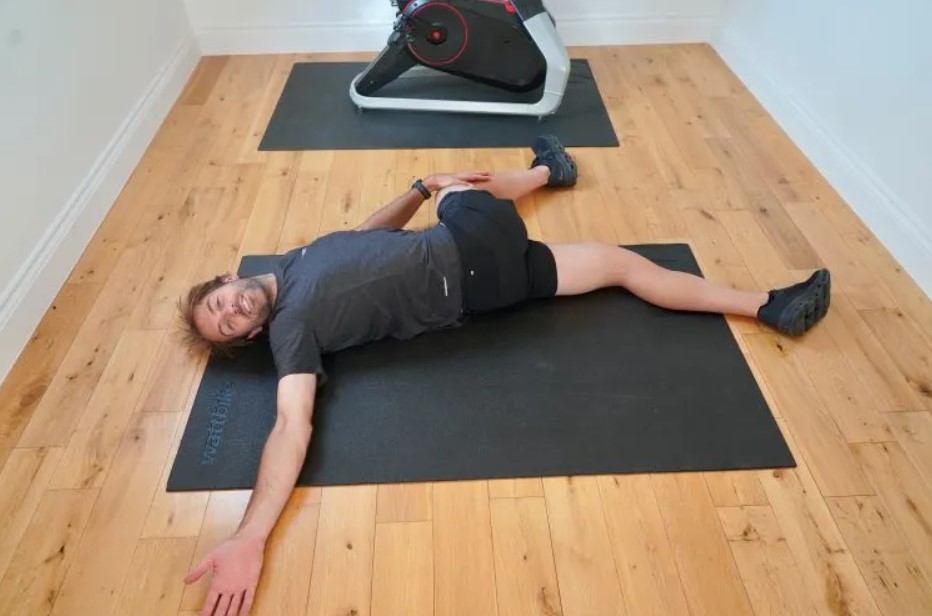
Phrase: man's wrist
(430, 184)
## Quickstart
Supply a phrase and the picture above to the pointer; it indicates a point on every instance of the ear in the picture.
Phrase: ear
(254, 333)
(228, 277)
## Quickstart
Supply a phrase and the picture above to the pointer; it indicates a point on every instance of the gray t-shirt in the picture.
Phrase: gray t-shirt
(352, 287)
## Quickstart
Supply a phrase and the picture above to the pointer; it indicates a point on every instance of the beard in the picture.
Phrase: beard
(262, 305)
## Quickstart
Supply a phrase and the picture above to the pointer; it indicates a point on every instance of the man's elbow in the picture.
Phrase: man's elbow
(293, 427)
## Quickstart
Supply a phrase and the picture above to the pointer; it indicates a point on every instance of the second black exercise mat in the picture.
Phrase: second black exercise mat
(598, 384)
(315, 112)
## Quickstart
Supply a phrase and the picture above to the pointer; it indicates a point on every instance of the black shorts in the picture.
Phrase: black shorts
(501, 266)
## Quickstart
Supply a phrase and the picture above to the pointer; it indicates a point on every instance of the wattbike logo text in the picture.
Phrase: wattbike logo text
(218, 419)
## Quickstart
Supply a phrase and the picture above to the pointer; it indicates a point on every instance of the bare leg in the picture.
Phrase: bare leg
(510, 185)
(586, 266)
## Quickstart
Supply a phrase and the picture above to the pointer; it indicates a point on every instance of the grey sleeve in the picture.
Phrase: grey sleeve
(296, 350)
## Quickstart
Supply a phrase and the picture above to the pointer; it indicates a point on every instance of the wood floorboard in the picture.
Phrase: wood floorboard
(92, 412)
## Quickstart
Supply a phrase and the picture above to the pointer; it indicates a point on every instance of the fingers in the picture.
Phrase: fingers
(224, 605)
(211, 602)
(234, 605)
(227, 604)
(196, 573)
(247, 601)
(466, 175)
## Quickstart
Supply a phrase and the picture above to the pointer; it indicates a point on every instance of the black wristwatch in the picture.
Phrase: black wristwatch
(419, 186)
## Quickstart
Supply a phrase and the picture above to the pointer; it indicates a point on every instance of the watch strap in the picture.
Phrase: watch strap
(419, 186)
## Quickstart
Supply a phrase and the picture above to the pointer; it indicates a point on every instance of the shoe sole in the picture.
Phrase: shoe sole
(810, 308)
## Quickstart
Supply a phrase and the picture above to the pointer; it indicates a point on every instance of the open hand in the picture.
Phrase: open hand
(437, 181)
(236, 564)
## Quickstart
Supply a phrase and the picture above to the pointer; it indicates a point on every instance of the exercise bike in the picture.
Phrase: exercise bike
(509, 44)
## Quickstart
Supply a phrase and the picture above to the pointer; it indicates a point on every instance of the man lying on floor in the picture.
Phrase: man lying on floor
(351, 287)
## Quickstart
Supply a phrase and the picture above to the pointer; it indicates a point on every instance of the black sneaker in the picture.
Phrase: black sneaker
(794, 310)
(549, 151)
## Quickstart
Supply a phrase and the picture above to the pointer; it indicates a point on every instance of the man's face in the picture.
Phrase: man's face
(238, 309)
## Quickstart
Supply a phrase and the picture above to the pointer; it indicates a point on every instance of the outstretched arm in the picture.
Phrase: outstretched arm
(237, 562)
(399, 212)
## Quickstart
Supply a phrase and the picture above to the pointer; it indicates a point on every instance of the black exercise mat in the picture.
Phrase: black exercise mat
(596, 384)
(315, 112)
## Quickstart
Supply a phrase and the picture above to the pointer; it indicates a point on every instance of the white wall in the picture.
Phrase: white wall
(83, 87)
(283, 26)
(851, 83)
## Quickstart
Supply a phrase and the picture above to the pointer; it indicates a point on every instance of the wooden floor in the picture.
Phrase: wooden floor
(92, 413)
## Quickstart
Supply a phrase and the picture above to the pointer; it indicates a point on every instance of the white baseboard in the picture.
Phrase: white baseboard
(31, 291)
(890, 218)
(336, 37)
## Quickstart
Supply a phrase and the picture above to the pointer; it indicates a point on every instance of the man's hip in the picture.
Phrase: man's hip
(501, 266)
